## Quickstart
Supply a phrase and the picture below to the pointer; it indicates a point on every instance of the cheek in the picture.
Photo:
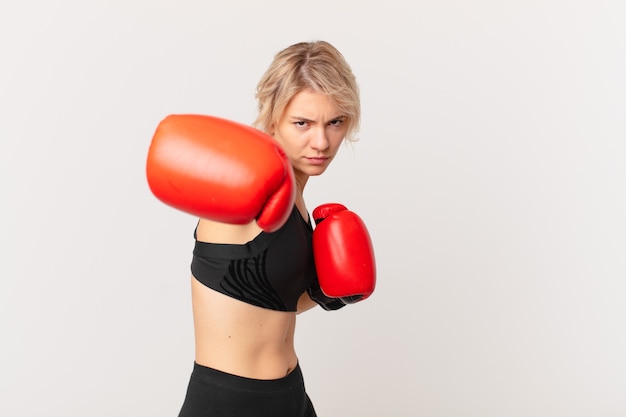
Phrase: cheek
(337, 139)
(291, 146)
(280, 137)
(335, 145)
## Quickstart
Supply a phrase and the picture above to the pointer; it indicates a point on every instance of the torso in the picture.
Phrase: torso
(240, 338)
(234, 336)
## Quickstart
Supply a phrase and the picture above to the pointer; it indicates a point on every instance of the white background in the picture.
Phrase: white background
(490, 172)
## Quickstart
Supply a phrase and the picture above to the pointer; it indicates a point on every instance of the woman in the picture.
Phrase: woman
(248, 281)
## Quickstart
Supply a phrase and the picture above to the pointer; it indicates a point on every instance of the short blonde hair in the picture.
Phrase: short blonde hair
(317, 65)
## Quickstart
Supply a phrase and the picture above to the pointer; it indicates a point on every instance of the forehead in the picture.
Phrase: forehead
(312, 105)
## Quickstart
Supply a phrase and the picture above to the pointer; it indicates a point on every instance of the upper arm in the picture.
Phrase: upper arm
(305, 303)
(216, 232)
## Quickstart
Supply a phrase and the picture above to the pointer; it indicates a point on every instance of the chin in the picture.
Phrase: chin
(316, 171)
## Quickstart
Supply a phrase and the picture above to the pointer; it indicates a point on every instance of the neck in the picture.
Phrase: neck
(301, 181)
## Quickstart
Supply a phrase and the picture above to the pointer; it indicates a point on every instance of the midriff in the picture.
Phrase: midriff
(240, 338)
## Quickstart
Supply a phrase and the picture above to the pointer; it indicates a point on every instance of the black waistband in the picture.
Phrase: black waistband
(215, 376)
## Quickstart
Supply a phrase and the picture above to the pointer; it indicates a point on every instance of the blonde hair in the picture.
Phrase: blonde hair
(317, 65)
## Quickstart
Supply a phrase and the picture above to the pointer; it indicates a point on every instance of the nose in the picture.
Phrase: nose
(320, 140)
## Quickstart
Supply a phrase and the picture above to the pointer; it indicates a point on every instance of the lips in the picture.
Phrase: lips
(317, 160)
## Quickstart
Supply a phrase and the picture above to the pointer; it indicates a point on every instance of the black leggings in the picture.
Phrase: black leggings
(213, 393)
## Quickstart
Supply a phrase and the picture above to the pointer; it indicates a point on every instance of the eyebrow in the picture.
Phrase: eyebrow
(306, 119)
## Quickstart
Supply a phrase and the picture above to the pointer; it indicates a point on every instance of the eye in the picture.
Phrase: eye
(300, 123)
(336, 122)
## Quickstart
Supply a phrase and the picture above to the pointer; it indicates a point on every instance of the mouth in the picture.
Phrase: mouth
(317, 160)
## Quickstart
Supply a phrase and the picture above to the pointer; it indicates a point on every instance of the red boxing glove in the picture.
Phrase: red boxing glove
(343, 252)
(220, 170)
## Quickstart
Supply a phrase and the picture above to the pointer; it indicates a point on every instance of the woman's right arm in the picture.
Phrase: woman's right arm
(305, 303)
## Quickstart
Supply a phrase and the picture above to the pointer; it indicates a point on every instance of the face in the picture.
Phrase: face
(310, 131)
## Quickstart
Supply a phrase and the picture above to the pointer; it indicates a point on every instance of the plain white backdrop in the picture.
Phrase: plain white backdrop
(490, 172)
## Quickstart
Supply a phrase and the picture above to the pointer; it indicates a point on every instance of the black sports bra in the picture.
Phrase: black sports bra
(271, 271)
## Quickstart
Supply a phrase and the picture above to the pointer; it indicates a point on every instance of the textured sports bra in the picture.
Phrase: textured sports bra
(271, 271)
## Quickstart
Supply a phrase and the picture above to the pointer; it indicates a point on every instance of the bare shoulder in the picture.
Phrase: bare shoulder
(216, 232)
